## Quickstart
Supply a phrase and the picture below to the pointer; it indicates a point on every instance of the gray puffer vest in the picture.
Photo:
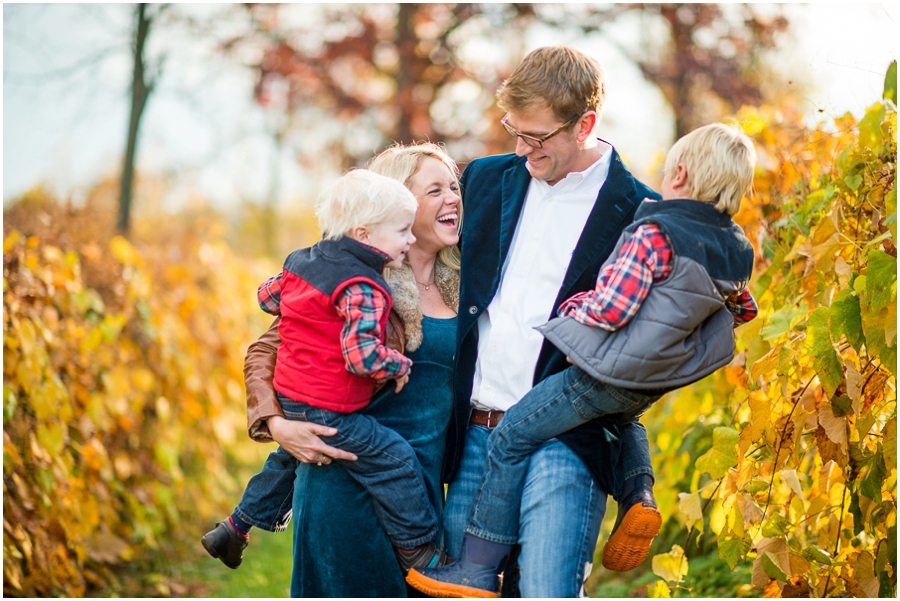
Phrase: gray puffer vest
(682, 331)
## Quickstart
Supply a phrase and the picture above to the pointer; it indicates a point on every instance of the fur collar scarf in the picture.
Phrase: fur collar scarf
(406, 297)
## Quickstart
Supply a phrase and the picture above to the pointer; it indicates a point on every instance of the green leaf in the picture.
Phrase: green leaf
(755, 486)
(722, 455)
(776, 525)
(853, 182)
(855, 510)
(9, 402)
(813, 553)
(872, 475)
(881, 279)
(771, 568)
(846, 319)
(733, 549)
(841, 405)
(826, 361)
(890, 83)
(781, 322)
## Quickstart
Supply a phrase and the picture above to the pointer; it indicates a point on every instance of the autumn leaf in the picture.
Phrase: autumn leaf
(671, 566)
(723, 453)
(733, 549)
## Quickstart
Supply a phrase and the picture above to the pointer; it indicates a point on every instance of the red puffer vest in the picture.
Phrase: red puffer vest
(310, 367)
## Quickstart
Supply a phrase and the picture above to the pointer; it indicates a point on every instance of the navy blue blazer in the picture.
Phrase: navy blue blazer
(494, 190)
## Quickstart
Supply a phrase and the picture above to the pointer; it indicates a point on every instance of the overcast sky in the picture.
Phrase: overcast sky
(202, 124)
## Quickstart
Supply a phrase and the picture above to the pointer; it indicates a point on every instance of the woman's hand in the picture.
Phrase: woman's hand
(401, 382)
(301, 439)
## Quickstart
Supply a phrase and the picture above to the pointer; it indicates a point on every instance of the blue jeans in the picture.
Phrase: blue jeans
(561, 511)
(386, 467)
(556, 405)
(268, 498)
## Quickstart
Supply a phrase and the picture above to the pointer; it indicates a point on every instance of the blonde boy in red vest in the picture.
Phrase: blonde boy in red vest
(334, 306)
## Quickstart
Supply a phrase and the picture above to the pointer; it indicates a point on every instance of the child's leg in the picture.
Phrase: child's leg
(266, 503)
(638, 520)
(268, 497)
(386, 467)
(556, 405)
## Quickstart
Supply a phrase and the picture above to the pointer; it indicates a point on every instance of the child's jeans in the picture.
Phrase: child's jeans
(386, 466)
(556, 405)
(268, 499)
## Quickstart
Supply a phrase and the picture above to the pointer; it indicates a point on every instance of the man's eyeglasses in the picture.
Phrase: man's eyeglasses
(531, 140)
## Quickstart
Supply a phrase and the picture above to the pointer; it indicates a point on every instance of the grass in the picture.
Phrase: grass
(265, 571)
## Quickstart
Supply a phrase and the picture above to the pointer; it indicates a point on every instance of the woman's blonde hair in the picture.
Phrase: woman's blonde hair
(361, 198)
(567, 80)
(719, 160)
(400, 162)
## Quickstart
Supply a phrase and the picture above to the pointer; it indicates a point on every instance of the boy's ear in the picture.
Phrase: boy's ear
(680, 178)
(361, 234)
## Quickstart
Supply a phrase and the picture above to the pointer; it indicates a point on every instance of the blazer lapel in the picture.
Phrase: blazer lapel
(513, 188)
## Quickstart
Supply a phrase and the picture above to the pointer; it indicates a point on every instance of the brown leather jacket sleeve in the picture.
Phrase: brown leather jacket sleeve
(259, 373)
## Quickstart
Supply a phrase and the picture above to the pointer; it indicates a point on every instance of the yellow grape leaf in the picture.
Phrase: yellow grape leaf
(723, 453)
(51, 437)
(671, 566)
(760, 414)
(790, 478)
(659, 590)
(779, 554)
(835, 427)
(123, 251)
(765, 364)
(865, 574)
(890, 442)
(689, 504)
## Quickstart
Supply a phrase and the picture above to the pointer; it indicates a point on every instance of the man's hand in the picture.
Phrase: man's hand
(569, 359)
(301, 439)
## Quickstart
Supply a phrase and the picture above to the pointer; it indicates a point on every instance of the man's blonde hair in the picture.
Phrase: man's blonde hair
(401, 162)
(567, 80)
(719, 160)
(361, 198)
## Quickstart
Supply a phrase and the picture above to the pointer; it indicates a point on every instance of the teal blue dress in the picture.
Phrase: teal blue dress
(340, 549)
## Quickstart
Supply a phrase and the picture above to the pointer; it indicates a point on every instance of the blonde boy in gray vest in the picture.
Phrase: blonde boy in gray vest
(661, 316)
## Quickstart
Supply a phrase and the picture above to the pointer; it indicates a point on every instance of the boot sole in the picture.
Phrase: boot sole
(629, 545)
(446, 590)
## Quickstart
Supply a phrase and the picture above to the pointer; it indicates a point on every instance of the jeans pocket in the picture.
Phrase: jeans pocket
(293, 410)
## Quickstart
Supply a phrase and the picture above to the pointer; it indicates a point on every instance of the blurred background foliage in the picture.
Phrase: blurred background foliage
(126, 322)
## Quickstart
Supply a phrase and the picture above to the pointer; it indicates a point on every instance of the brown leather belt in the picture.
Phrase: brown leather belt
(489, 419)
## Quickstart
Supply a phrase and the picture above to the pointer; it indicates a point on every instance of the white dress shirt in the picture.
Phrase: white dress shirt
(549, 227)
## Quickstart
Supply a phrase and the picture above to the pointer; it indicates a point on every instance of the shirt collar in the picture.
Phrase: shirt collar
(592, 177)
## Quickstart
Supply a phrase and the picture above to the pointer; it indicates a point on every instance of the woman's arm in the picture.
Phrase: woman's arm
(265, 419)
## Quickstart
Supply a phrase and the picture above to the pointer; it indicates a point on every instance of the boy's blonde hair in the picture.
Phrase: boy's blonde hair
(567, 80)
(719, 160)
(401, 162)
(361, 198)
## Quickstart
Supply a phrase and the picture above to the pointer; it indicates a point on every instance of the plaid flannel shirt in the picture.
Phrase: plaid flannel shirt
(361, 306)
(645, 258)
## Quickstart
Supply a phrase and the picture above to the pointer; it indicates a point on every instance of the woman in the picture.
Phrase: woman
(340, 549)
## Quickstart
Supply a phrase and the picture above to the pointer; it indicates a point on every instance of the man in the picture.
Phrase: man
(538, 226)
